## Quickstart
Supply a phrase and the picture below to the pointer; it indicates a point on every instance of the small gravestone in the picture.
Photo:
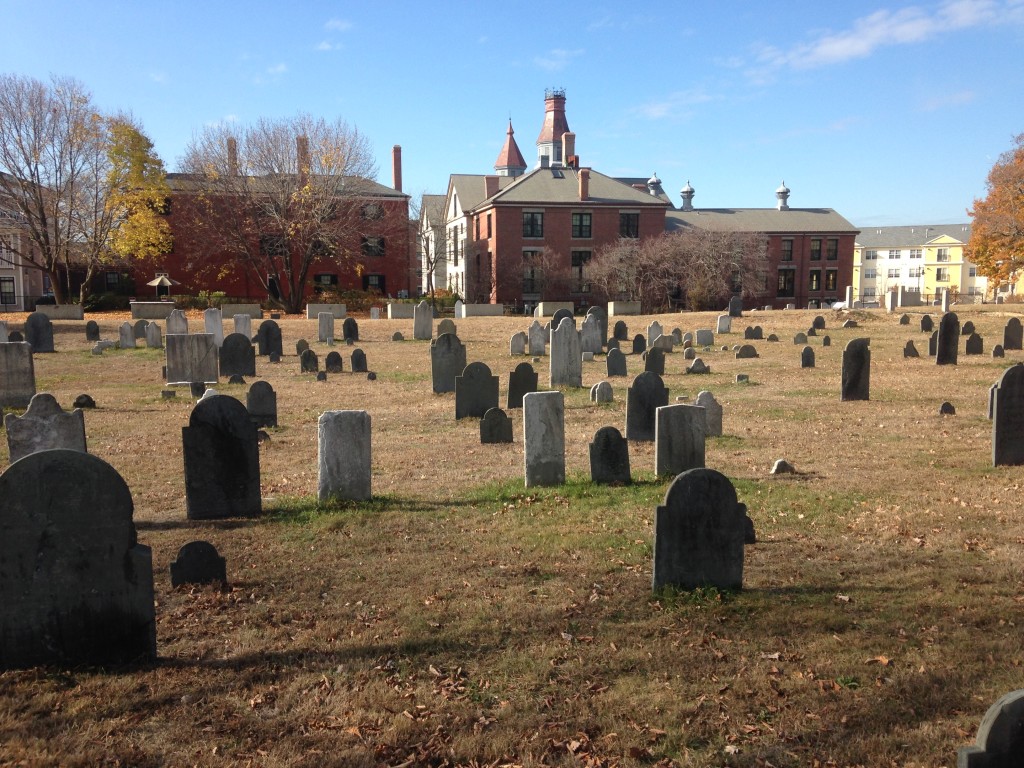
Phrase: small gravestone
(689, 353)
(544, 438)
(772, 337)
(397, 336)
(521, 381)
(343, 456)
(735, 307)
(177, 322)
(746, 352)
(646, 394)
(933, 343)
(654, 361)
(904, 319)
(565, 358)
(758, 333)
(698, 366)
(782, 467)
(333, 362)
(850, 324)
(818, 323)
(213, 323)
(517, 344)
(742, 378)
(713, 413)
(699, 533)
(680, 434)
(237, 356)
(927, 324)
(92, 331)
(447, 360)
(197, 388)
(350, 329)
(909, 350)
(538, 338)
(807, 357)
(198, 563)
(476, 391)
(446, 326)
(325, 327)
(704, 337)
(1000, 739)
(800, 338)
(947, 409)
(16, 336)
(359, 361)
(997, 351)
(812, 332)
(261, 403)
(724, 324)
(243, 325)
(826, 341)
(375, 313)
(236, 378)
(609, 458)
(126, 336)
(620, 330)
(680, 338)
(153, 338)
(422, 322)
(948, 340)
(602, 393)
(77, 587)
(856, 375)
(495, 427)
(222, 461)
(1013, 334)
(615, 363)
(17, 374)
(301, 346)
(39, 332)
(84, 401)
(44, 426)
(591, 335)
(268, 339)
(639, 344)
(974, 345)
(1007, 409)
(309, 362)
(967, 328)
(561, 314)
(139, 329)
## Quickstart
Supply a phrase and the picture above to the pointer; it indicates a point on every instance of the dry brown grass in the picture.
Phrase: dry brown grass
(458, 619)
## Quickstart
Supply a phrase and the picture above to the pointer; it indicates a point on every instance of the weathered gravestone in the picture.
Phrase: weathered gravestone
(699, 533)
(724, 324)
(538, 338)
(690, 353)
(713, 412)
(856, 376)
(343, 455)
(39, 332)
(818, 323)
(495, 427)
(620, 330)
(698, 366)
(243, 325)
(807, 357)
(609, 458)
(704, 337)
(198, 562)
(213, 323)
(447, 325)
(332, 363)
(422, 321)
(933, 343)
(735, 307)
(615, 363)
(222, 460)
(998, 351)
(5, 334)
(1007, 411)
(646, 394)
(811, 332)
(639, 344)
(268, 339)
(565, 359)
(654, 361)
(517, 344)
(1000, 739)
(191, 358)
(301, 346)
(909, 350)
(77, 586)
(654, 330)
(602, 392)
(359, 361)
(154, 339)
(126, 335)
(679, 437)
(476, 391)
(397, 336)
(1013, 334)
(44, 426)
(177, 322)
(544, 438)
(800, 338)
(904, 319)
(665, 343)
(447, 360)
(521, 381)
(16, 336)
(746, 351)
(139, 329)
(325, 327)
(309, 362)
(17, 374)
(92, 331)
(967, 328)
(602, 318)
(261, 403)
(927, 324)
(949, 340)
(350, 329)
(974, 345)
(561, 314)
(591, 335)
(237, 356)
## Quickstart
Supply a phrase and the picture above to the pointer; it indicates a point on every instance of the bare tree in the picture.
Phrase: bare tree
(277, 196)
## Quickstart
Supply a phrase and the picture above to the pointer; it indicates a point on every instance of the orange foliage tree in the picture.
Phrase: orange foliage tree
(997, 234)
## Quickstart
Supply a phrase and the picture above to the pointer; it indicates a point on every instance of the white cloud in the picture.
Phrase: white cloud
(556, 59)
(338, 25)
(327, 45)
(675, 105)
(159, 77)
(947, 100)
(277, 69)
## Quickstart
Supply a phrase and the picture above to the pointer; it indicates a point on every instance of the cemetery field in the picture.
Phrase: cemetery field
(459, 618)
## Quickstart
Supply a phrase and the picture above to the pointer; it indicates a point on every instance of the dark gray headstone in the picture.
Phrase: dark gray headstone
(909, 350)
(800, 338)
(446, 326)
(196, 388)
(1007, 406)
(77, 587)
(735, 307)
(359, 361)
(84, 401)
(904, 319)
(1013, 334)
(807, 357)
(476, 391)
(947, 409)
(615, 363)
(967, 328)
(236, 378)
(639, 344)
(933, 343)
(974, 345)
(997, 351)
(237, 356)
(92, 331)
(139, 329)
(620, 330)
(699, 533)
(268, 339)
(609, 458)
(521, 381)
(680, 434)
(927, 324)
(222, 460)
(17, 374)
(261, 403)
(818, 323)
(556, 318)
(611, 343)
(812, 331)
(198, 563)
(948, 340)
(333, 362)
(301, 346)
(350, 329)
(856, 376)
(39, 332)
(495, 427)
(16, 336)
(447, 360)
(654, 361)
(643, 398)
(321, 375)
(1000, 740)
(826, 341)
(746, 351)
(309, 362)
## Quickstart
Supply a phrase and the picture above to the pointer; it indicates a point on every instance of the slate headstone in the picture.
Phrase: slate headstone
(517, 344)
(565, 358)
(1000, 739)
(476, 391)
(447, 360)
(92, 331)
(495, 427)
(704, 337)
(598, 312)
(521, 381)
(1007, 406)
(736, 307)
(856, 375)
(39, 332)
(422, 321)
(198, 562)
(974, 345)
(949, 340)
(639, 344)
(243, 325)
(301, 346)
(126, 335)
(997, 351)
(967, 328)
(325, 327)
(350, 329)
(154, 339)
(544, 438)
(191, 357)
(177, 322)
(17, 374)
(343, 456)
(1013, 334)
(909, 350)
(602, 392)
(609, 458)
(309, 362)
(646, 394)
(44, 426)
(359, 361)
(933, 343)
(620, 330)
(724, 324)
(261, 403)
(591, 335)
(538, 338)
(139, 329)
(268, 338)
(237, 356)
(213, 323)
(680, 433)
(746, 351)
(826, 341)
(561, 314)
(818, 323)
(615, 363)
(654, 330)
(333, 362)
(927, 324)
(654, 361)
(807, 357)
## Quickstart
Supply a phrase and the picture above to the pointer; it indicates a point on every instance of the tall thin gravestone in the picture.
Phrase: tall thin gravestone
(544, 438)
(856, 376)
(537, 339)
(154, 340)
(646, 394)
(447, 360)
(566, 361)
(243, 325)
(948, 343)
(213, 323)
(325, 327)
(343, 455)
(1007, 407)
(422, 321)
(591, 335)
(17, 374)
(126, 336)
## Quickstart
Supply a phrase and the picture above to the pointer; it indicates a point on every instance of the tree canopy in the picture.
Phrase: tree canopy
(997, 233)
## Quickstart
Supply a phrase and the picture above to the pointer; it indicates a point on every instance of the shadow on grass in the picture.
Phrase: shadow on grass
(225, 524)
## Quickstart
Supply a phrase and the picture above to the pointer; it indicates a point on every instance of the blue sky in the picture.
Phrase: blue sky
(889, 112)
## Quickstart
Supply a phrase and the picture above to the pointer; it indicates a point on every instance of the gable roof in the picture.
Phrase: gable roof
(553, 186)
(470, 187)
(911, 236)
(432, 208)
(767, 220)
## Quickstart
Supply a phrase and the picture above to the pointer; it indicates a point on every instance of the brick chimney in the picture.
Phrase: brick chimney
(490, 187)
(232, 156)
(584, 183)
(396, 167)
(302, 156)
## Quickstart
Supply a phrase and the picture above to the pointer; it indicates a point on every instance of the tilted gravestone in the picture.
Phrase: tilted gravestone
(358, 360)
(807, 357)
(544, 438)
(198, 562)
(191, 358)
(1006, 404)
(333, 362)
(1013, 334)
(698, 366)
(422, 321)
(154, 340)
(615, 363)
(222, 460)
(92, 331)
(654, 330)
(856, 375)
(565, 358)
(268, 339)
(343, 455)
(1000, 739)
(309, 362)
(713, 412)
(177, 322)
(126, 336)
(904, 319)
(495, 427)
(447, 360)
(680, 433)
(521, 381)
(620, 330)
(974, 345)
(639, 344)
(17, 374)
(213, 323)
(325, 327)
(350, 329)
(77, 586)
(517, 344)
(591, 335)
(665, 343)
(646, 394)
(538, 338)
(447, 325)
(654, 361)
(949, 340)
(237, 356)
(261, 403)
(909, 350)
(476, 391)
(699, 533)
(609, 458)
(927, 324)
(44, 426)
(39, 332)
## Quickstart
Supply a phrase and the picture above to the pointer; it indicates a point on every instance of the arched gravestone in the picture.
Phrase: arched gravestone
(713, 412)
(1000, 740)
(447, 360)
(974, 345)
(92, 331)
(125, 336)
(807, 357)
(517, 344)
(556, 318)
(1007, 410)
(699, 533)
(447, 325)
(422, 321)
(154, 339)
(350, 329)
(620, 330)
(222, 460)
(237, 356)
(198, 563)
(856, 375)
(309, 362)
(591, 335)
(301, 346)
(646, 394)
(947, 346)
(139, 329)
(261, 403)
(654, 361)
(800, 338)
(495, 427)
(639, 344)
(609, 458)
(967, 328)
(602, 318)
(333, 362)
(927, 324)
(476, 391)
(1013, 334)
(818, 323)
(615, 363)
(359, 361)
(39, 332)
(521, 381)
(77, 586)
(268, 339)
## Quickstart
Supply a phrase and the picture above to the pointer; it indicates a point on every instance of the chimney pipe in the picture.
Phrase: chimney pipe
(396, 167)
(232, 156)
(302, 155)
(490, 187)
(584, 183)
